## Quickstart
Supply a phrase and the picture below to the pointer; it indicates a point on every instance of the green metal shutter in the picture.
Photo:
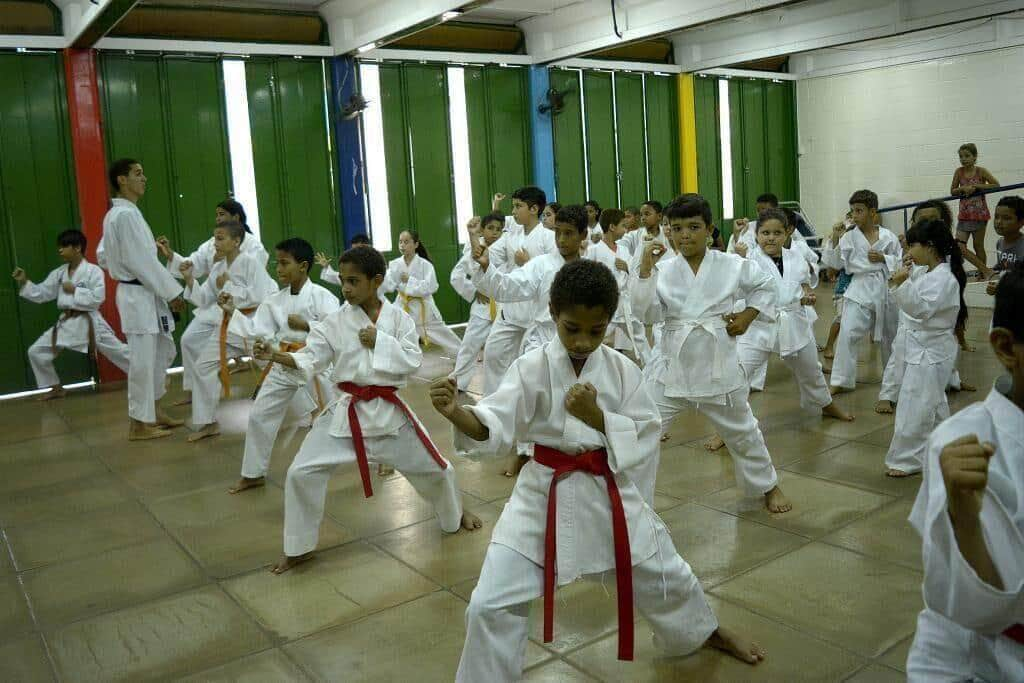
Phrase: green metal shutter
(600, 134)
(780, 127)
(570, 178)
(662, 138)
(292, 152)
(632, 148)
(396, 152)
(37, 202)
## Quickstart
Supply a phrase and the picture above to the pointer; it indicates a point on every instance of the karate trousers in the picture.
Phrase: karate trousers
(665, 592)
(206, 383)
(735, 423)
(149, 356)
(503, 346)
(42, 353)
(473, 339)
(305, 489)
(193, 340)
(922, 406)
(857, 323)
(945, 652)
(814, 393)
(892, 378)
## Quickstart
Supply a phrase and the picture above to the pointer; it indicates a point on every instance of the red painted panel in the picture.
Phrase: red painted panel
(90, 171)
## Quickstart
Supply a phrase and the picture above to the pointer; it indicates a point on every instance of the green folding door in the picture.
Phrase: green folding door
(662, 107)
(37, 202)
(567, 130)
(632, 143)
(599, 121)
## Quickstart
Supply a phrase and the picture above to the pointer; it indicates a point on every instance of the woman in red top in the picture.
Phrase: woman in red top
(973, 218)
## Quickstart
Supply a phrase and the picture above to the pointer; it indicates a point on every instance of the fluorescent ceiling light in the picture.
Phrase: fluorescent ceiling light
(451, 14)
(366, 48)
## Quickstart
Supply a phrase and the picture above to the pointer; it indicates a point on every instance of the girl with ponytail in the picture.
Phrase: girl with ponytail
(929, 294)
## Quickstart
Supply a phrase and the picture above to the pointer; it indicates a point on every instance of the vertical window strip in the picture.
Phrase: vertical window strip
(647, 142)
(243, 171)
(586, 145)
(461, 173)
(725, 135)
(378, 211)
(615, 141)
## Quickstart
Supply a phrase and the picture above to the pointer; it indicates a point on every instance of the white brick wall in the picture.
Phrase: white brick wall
(896, 130)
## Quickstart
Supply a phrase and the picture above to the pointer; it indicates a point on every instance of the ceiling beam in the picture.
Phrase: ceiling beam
(354, 24)
(587, 26)
(818, 24)
(214, 47)
(85, 22)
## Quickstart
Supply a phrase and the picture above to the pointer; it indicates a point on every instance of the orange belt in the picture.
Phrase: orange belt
(67, 314)
(595, 463)
(423, 314)
(292, 347)
(225, 374)
(361, 393)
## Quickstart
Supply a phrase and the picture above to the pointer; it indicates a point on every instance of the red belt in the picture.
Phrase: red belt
(595, 463)
(361, 393)
(1015, 632)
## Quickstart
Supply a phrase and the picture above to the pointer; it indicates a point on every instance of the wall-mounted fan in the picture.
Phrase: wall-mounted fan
(555, 102)
(354, 106)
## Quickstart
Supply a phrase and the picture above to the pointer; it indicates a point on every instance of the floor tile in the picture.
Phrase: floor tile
(109, 581)
(818, 506)
(556, 672)
(182, 634)
(789, 445)
(875, 673)
(857, 464)
(6, 565)
(423, 640)
(442, 557)
(240, 544)
(15, 617)
(685, 472)
(212, 506)
(852, 601)
(484, 478)
(885, 534)
(882, 437)
(896, 658)
(718, 545)
(62, 540)
(24, 659)
(64, 500)
(166, 478)
(792, 656)
(28, 470)
(26, 420)
(867, 421)
(269, 666)
(337, 587)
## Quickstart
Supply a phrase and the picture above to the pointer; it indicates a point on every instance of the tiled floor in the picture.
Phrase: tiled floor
(131, 562)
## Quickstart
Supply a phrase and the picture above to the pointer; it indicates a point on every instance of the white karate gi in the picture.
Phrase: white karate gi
(388, 434)
(626, 332)
(203, 260)
(72, 332)
(931, 303)
(959, 632)
(481, 317)
(868, 305)
(201, 358)
(128, 251)
(695, 365)
(635, 242)
(789, 333)
(595, 234)
(416, 296)
(530, 404)
(281, 384)
(505, 341)
(330, 275)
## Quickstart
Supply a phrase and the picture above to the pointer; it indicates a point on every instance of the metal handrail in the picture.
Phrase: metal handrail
(952, 197)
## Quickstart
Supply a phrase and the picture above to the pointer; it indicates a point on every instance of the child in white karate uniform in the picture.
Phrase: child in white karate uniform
(651, 214)
(595, 228)
(412, 275)
(970, 515)
(202, 261)
(695, 365)
(521, 242)
(373, 348)
(327, 272)
(577, 509)
(79, 290)
(284, 320)
(789, 333)
(869, 253)
(930, 295)
(626, 333)
(128, 252)
(233, 274)
(483, 309)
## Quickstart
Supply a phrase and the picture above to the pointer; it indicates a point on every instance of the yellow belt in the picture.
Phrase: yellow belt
(493, 307)
(423, 314)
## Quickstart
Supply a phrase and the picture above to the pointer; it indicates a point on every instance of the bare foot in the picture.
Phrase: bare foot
(140, 431)
(776, 501)
(212, 429)
(54, 392)
(964, 346)
(739, 647)
(828, 354)
(965, 386)
(714, 443)
(834, 411)
(834, 389)
(185, 400)
(883, 407)
(165, 420)
(286, 562)
(518, 465)
(664, 437)
(384, 470)
(471, 522)
(898, 474)
(247, 483)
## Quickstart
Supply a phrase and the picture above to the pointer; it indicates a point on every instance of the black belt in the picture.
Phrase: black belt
(130, 282)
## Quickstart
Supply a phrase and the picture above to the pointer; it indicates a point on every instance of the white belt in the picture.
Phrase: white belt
(785, 329)
(674, 386)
